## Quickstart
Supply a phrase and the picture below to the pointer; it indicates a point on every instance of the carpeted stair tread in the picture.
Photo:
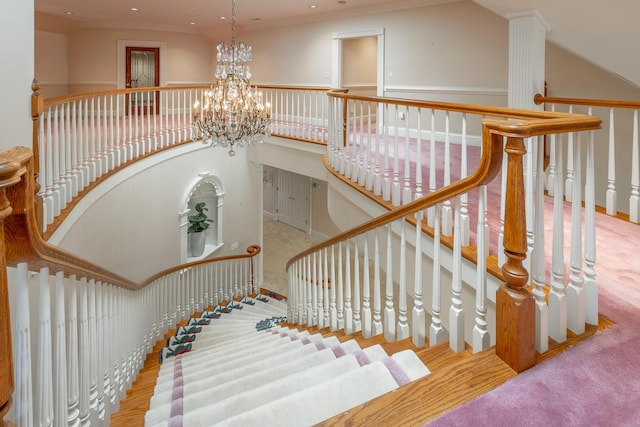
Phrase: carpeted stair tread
(320, 401)
(291, 384)
(209, 367)
(199, 394)
(266, 364)
(204, 356)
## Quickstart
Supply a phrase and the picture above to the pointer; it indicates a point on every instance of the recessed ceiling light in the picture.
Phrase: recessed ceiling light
(222, 17)
(192, 23)
(313, 6)
(68, 13)
(135, 9)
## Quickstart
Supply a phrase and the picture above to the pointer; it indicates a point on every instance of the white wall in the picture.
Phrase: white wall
(16, 72)
(133, 229)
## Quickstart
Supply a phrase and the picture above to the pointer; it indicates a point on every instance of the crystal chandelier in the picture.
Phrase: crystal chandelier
(232, 112)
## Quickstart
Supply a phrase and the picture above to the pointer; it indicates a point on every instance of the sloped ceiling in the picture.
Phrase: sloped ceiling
(604, 32)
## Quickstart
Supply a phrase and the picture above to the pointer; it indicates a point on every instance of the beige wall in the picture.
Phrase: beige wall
(52, 63)
(359, 65)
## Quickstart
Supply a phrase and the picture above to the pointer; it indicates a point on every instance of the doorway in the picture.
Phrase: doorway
(142, 70)
(369, 42)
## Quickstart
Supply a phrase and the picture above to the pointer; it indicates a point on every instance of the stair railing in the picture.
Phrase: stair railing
(617, 142)
(75, 335)
(81, 139)
(351, 283)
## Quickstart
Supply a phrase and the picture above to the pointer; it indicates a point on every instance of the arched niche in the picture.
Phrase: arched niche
(205, 188)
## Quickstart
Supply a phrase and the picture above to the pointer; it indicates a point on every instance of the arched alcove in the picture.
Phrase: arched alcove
(205, 188)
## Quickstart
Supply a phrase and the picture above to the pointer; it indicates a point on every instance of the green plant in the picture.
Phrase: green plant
(198, 222)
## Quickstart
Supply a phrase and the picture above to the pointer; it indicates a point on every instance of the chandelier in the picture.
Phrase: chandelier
(232, 112)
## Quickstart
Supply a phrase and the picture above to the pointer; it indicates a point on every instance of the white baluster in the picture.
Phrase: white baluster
(590, 281)
(481, 337)
(402, 331)
(93, 350)
(419, 157)
(376, 328)
(446, 214)
(348, 310)
(557, 299)
(325, 285)
(333, 309)
(406, 189)
(59, 350)
(370, 154)
(314, 289)
(433, 211)
(357, 319)
(612, 194)
(73, 367)
(456, 313)
(395, 196)
(377, 185)
(389, 309)
(309, 280)
(568, 183)
(23, 377)
(84, 354)
(464, 211)
(538, 273)
(575, 290)
(386, 188)
(634, 198)
(551, 170)
(366, 293)
(340, 290)
(437, 333)
(418, 319)
(44, 374)
(363, 149)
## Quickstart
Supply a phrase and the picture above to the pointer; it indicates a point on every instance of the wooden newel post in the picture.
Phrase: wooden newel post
(515, 306)
(37, 108)
(11, 169)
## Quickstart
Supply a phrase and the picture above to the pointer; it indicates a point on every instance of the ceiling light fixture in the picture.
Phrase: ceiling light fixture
(232, 113)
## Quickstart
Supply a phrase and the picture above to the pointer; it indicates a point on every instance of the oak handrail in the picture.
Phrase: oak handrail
(609, 103)
(539, 123)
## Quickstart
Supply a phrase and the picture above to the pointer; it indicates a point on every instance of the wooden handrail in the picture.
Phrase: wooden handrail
(252, 251)
(609, 103)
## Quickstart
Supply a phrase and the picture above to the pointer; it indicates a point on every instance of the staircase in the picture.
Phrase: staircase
(235, 365)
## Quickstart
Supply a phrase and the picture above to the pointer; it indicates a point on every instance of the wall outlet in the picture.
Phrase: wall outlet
(402, 116)
(234, 245)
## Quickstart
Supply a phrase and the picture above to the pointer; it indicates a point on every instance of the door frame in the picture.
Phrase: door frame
(336, 56)
(156, 80)
(121, 62)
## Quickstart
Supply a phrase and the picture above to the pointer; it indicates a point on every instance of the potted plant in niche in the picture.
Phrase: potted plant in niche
(198, 223)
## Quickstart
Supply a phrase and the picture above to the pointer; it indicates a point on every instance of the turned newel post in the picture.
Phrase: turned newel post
(8, 176)
(37, 107)
(515, 307)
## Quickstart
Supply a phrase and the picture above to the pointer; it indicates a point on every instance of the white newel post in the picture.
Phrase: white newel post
(527, 37)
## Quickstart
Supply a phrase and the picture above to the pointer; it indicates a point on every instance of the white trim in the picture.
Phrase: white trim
(531, 13)
(121, 59)
(336, 56)
(457, 90)
(92, 83)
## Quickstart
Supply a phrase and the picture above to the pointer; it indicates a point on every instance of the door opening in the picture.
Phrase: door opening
(142, 70)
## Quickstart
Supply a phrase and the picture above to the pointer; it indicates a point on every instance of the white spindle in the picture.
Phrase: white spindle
(557, 299)
(314, 289)
(437, 333)
(386, 188)
(395, 197)
(612, 194)
(389, 309)
(59, 350)
(84, 354)
(406, 190)
(73, 367)
(456, 313)
(23, 386)
(44, 372)
(418, 319)
(333, 309)
(634, 198)
(366, 293)
(575, 290)
(433, 211)
(376, 328)
(340, 290)
(402, 331)
(325, 285)
(464, 198)
(447, 214)
(481, 337)
(538, 273)
(590, 281)
(357, 319)
(348, 310)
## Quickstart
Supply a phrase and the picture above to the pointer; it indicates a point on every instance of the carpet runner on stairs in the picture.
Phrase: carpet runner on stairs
(236, 366)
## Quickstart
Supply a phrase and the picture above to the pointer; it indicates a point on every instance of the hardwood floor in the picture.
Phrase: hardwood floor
(458, 378)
